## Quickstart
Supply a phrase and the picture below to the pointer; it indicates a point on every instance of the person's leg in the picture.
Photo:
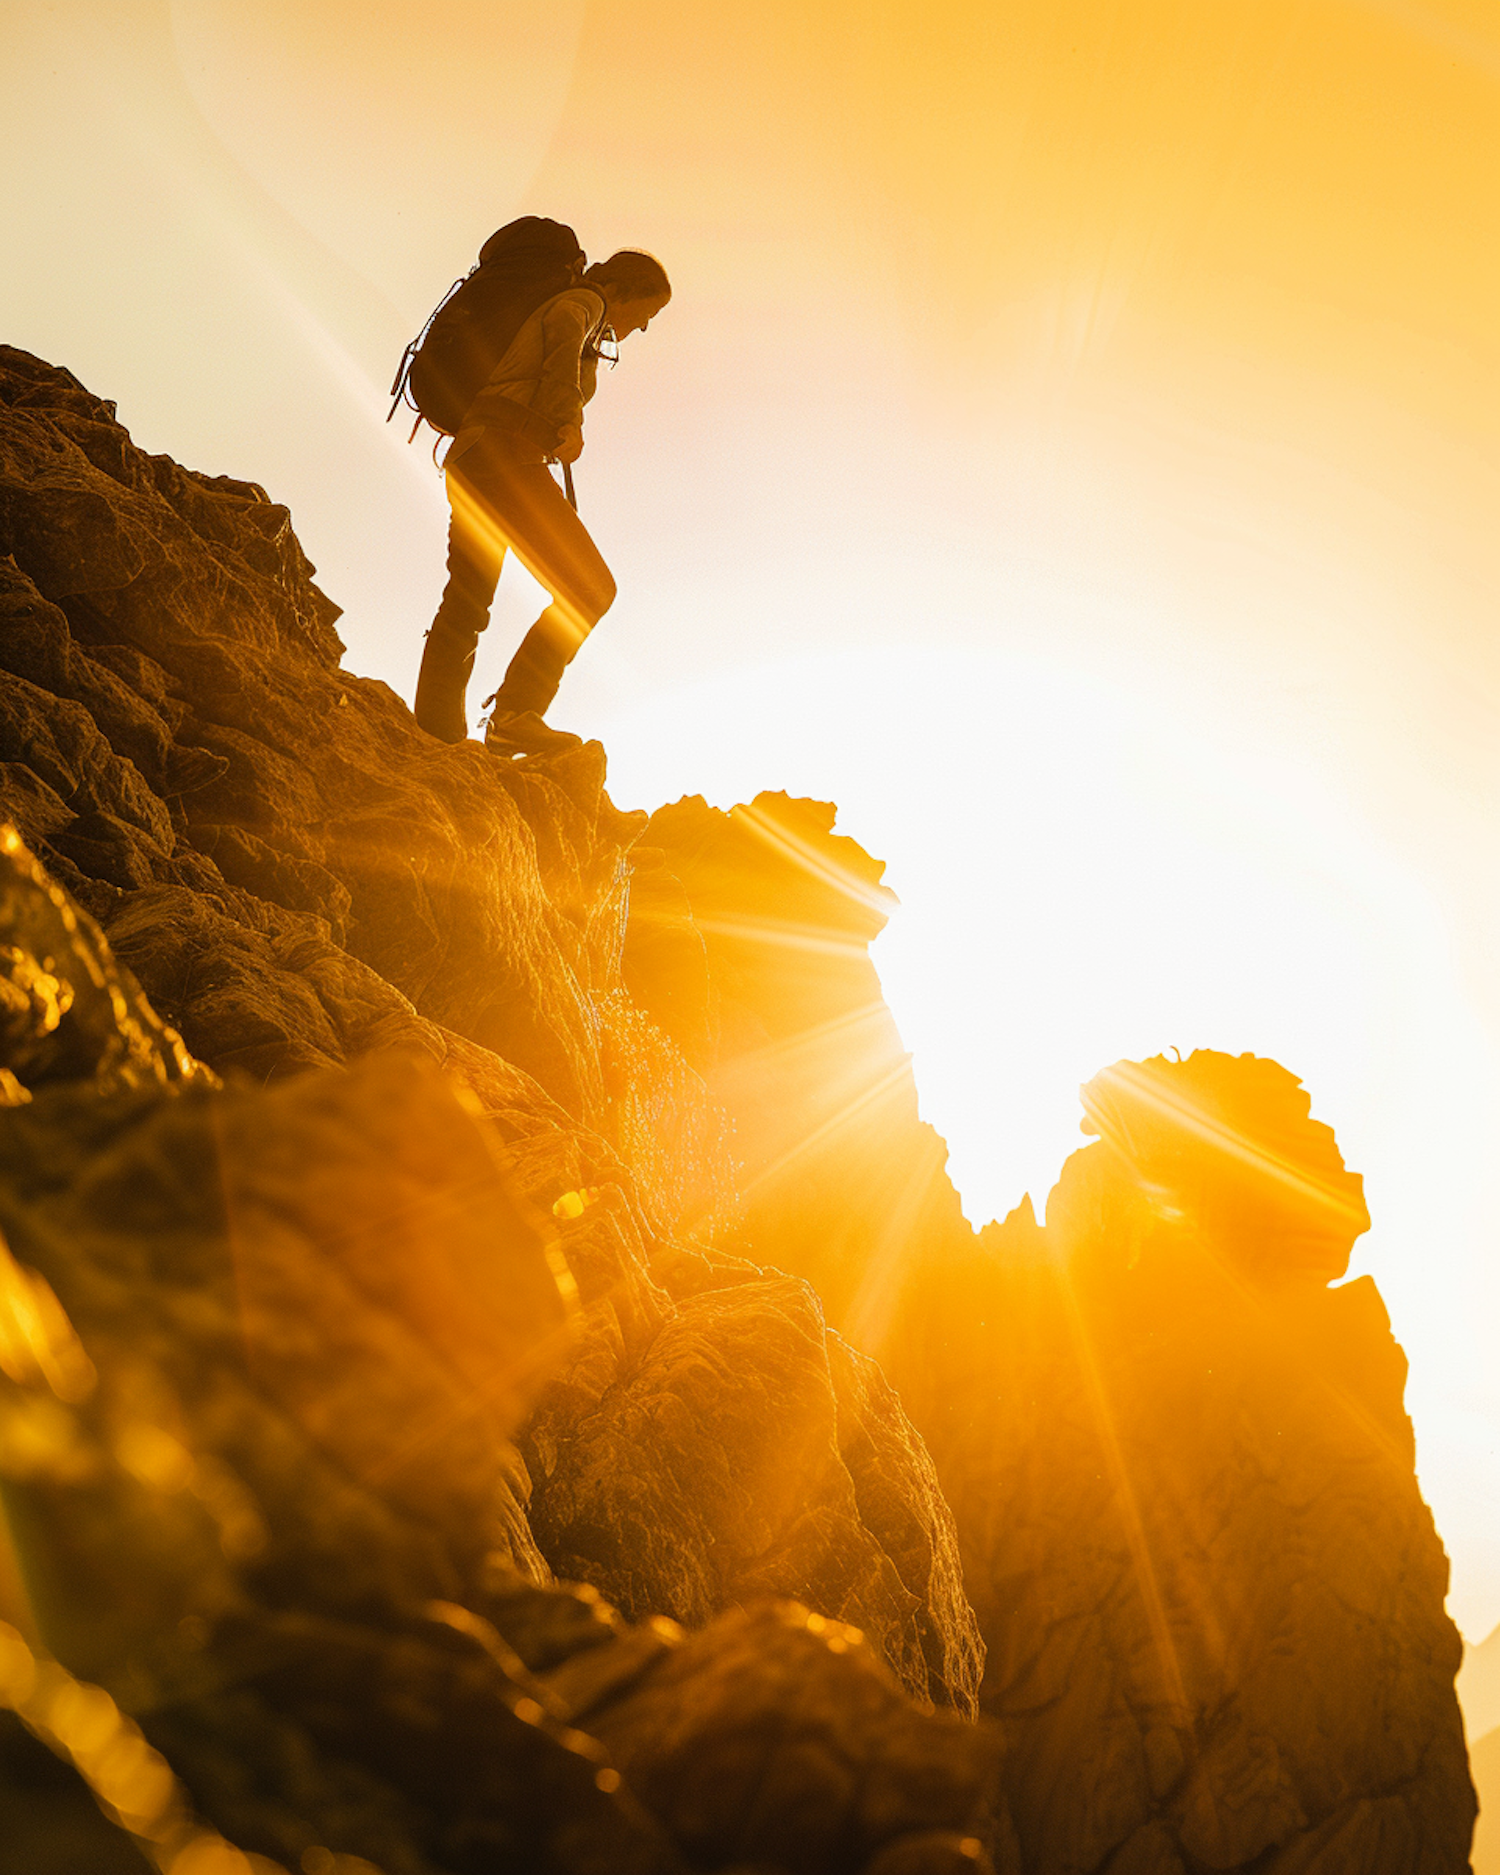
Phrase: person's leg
(556, 549)
(476, 552)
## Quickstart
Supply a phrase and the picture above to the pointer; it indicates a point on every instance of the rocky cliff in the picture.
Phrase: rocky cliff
(493, 1374)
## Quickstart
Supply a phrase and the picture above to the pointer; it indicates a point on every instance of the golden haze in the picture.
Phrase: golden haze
(1137, 352)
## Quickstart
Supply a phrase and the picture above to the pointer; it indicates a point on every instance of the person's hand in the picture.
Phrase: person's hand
(569, 446)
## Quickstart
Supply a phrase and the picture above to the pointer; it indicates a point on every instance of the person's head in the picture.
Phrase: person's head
(635, 288)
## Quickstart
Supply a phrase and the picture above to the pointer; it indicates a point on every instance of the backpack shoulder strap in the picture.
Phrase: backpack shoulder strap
(584, 286)
(591, 337)
(596, 330)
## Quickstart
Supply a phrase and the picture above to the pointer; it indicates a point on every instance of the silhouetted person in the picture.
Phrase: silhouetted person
(502, 493)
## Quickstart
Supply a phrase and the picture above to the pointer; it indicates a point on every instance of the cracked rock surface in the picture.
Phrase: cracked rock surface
(372, 1222)
(494, 1374)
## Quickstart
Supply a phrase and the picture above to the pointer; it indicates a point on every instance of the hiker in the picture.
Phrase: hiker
(529, 413)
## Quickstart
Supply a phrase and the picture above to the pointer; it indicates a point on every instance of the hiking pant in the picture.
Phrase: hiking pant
(500, 502)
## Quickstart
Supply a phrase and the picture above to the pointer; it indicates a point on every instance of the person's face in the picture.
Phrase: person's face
(633, 315)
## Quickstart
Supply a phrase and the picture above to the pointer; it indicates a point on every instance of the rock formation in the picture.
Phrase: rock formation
(1179, 1460)
(490, 1357)
(1255, 1596)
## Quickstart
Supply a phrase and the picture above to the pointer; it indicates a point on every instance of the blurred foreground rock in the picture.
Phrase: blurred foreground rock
(490, 1357)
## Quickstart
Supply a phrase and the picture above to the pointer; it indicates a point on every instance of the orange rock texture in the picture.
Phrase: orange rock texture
(493, 1373)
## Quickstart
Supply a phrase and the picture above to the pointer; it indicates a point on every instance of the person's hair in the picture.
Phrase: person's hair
(633, 274)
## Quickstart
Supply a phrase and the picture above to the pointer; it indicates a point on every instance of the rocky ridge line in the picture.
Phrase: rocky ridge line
(530, 1028)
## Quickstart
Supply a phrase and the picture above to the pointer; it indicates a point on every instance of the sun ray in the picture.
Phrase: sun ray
(1141, 1086)
(823, 1037)
(1132, 1522)
(789, 845)
(881, 1290)
(771, 931)
(476, 518)
(851, 1110)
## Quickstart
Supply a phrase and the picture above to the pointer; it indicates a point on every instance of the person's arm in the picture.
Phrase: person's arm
(566, 325)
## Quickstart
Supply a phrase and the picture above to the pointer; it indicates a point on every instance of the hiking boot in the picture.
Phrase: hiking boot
(522, 732)
(442, 685)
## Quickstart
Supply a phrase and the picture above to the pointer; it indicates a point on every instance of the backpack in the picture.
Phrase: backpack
(521, 266)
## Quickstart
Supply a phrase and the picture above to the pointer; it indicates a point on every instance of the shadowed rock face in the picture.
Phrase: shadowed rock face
(748, 942)
(550, 1141)
(1209, 1468)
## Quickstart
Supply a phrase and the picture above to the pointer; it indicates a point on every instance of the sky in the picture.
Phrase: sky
(1071, 447)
